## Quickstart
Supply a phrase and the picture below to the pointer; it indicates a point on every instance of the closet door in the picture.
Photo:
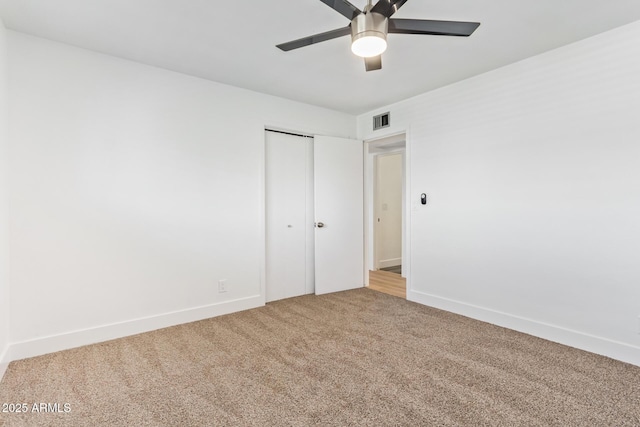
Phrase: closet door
(339, 213)
(289, 221)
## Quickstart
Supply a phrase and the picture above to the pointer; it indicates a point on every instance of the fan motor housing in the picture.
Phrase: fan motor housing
(369, 24)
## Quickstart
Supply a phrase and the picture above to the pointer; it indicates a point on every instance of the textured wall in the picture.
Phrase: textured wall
(534, 187)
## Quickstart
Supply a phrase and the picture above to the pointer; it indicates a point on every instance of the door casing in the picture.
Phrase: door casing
(397, 142)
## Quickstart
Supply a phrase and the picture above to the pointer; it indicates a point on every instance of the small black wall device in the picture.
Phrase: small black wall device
(423, 199)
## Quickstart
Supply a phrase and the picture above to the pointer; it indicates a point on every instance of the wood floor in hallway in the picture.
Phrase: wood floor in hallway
(388, 283)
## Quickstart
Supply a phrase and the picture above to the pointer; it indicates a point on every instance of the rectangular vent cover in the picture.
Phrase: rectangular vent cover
(381, 121)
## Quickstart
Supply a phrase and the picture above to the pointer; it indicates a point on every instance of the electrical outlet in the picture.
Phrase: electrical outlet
(222, 286)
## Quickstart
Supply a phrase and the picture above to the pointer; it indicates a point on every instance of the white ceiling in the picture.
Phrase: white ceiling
(233, 42)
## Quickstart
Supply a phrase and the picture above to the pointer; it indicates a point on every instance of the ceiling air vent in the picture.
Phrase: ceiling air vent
(381, 121)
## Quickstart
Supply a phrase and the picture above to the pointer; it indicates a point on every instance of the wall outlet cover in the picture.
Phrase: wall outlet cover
(222, 286)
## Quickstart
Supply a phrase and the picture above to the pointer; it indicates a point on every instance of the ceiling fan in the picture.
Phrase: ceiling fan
(369, 29)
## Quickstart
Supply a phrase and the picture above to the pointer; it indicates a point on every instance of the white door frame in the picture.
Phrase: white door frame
(397, 143)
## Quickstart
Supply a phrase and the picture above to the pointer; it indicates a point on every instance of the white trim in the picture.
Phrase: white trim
(594, 344)
(408, 197)
(53, 343)
(310, 242)
(4, 362)
(262, 270)
(391, 139)
(372, 148)
(384, 263)
(368, 177)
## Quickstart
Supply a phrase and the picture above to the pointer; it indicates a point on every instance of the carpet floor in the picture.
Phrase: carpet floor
(355, 358)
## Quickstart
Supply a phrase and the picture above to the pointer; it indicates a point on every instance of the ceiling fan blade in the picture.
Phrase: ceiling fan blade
(388, 7)
(438, 28)
(343, 7)
(373, 63)
(316, 38)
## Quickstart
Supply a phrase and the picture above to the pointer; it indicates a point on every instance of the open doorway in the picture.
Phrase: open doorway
(386, 187)
(387, 207)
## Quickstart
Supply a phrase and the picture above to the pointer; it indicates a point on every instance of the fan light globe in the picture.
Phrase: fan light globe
(369, 46)
(369, 34)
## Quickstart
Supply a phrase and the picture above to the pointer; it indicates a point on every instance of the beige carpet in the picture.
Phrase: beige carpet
(352, 358)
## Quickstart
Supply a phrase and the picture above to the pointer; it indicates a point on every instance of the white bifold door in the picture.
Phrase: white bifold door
(339, 213)
(289, 216)
(314, 215)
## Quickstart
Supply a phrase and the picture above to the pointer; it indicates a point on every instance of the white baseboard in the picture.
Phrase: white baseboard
(384, 263)
(50, 344)
(616, 350)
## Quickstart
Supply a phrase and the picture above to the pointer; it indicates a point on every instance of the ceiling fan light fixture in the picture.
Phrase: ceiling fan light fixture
(369, 34)
(369, 28)
(368, 46)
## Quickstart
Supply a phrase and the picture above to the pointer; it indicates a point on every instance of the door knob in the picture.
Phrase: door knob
(320, 224)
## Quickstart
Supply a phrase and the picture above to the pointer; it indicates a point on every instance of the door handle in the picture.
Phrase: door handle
(319, 224)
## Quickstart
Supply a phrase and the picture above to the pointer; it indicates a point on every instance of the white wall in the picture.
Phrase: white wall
(389, 209)
(134, 190)
(533, 178)
(4, 212)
